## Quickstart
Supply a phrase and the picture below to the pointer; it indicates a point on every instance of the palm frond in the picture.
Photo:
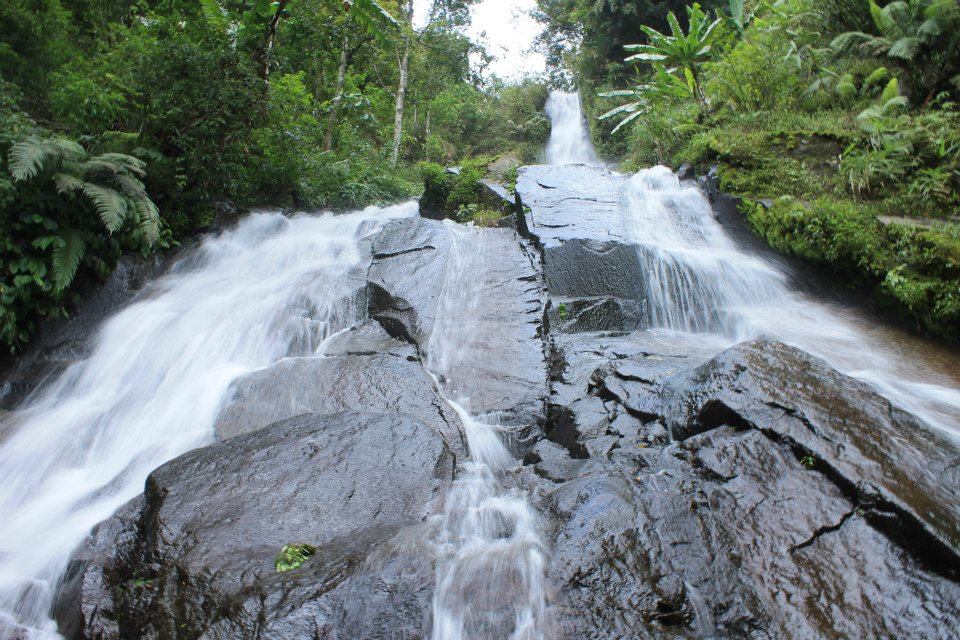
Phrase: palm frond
(627, 121)
(630, 107)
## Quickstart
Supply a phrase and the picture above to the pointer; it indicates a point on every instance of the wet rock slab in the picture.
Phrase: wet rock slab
(790, 501)
(431, 279)
(194, 557)
(592, 271)
(361, 370)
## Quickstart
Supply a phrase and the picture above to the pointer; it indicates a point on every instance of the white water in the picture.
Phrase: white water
(153, 383)
(700, 281)
(490, 568)
(570, 141)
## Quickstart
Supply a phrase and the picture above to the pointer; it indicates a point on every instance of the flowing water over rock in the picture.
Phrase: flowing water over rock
(569, 140)
(153, 384)
(490, 573)
(537, 433)
(699, 281)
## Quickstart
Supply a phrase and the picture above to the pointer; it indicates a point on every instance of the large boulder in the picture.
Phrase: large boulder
(790, 501)
(369, 371)
(195, 557)
(406, 277)
(472, 300)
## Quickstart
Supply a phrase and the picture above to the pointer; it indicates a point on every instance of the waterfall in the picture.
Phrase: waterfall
(570, 141)
(153, 382)
(698, 280)
(490, 570)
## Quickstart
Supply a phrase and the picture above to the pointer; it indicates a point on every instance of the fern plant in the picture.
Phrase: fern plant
(920, 37)
(110, 182)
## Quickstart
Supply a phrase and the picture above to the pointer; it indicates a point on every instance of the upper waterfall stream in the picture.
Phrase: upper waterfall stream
(698, 280)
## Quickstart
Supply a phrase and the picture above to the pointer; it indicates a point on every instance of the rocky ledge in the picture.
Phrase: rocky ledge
(688, 488)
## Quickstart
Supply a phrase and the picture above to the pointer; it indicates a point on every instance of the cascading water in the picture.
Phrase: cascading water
(153, 384)
(570, 141)
(490, 568)
(700, 281)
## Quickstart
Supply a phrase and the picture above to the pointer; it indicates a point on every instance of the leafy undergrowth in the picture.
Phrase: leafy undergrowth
(461, 195)
(821, 206)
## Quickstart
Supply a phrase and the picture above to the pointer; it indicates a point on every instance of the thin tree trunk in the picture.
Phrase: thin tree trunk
(338, 95)
(270, 39)
(398, 111)
(401, 90)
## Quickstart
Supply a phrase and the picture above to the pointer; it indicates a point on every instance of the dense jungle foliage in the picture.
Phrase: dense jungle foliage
(126, 125)
(836, 120)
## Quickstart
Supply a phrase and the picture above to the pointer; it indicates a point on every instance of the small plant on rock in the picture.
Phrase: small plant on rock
(292, 556)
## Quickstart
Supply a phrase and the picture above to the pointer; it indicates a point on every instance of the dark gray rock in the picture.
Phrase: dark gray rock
(793, 502)
(577, 315)
(893, 462)
(375, 382)
(491, 285)
(406, 277)
(358, 486)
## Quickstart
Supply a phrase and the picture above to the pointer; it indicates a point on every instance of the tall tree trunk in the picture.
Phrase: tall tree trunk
(401, 90)
(270, 39)
(398, 110)
(338, 95)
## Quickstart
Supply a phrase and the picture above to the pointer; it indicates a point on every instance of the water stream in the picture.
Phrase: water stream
(153, 382)
(700, 281)
(570, 141)
(490, 571)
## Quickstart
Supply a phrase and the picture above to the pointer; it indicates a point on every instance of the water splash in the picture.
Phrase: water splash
(153, 383)
(700, 281)
(490, 579)
(570, 141)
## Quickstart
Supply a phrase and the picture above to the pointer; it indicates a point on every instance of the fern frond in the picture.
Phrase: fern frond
(67, 182)
(904, 48)
(149, 219)
(845, 42)
(111, 206)
(132, 164)
(130, 186)
(877, 76)
(66, 258)
(30, 156)
(890, 91)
